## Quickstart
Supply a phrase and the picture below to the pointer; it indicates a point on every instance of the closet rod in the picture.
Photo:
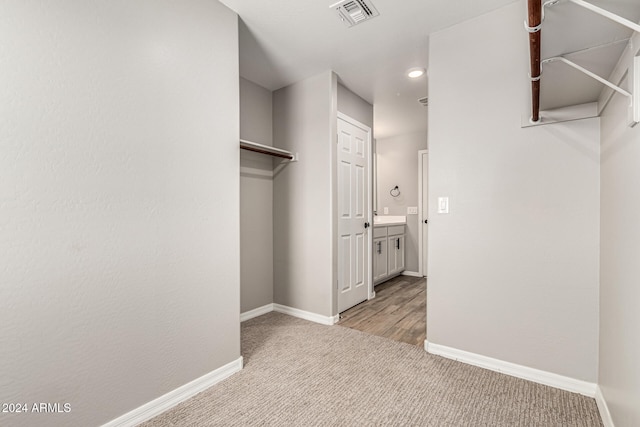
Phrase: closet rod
(266, 149)
(258, 150)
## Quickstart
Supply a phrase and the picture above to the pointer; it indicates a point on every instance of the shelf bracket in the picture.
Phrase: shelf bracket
(587, 72)
(539, 26)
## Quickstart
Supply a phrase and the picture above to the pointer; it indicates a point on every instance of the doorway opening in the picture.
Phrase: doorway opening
(398, 311)
(399, 262)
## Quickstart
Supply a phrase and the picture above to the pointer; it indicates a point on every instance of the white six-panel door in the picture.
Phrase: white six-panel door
(353, 214)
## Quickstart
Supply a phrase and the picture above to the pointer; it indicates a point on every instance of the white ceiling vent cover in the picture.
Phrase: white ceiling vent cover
(353, 12)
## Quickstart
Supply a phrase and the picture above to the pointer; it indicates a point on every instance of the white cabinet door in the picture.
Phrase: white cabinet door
(392, 243)
(396, 253)
(400, 254)
(380, 264)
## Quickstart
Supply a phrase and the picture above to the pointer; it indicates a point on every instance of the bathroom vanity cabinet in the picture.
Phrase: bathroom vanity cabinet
(388, 252)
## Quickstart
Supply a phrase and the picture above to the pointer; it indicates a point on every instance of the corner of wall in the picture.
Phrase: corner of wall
(333, 137)
(303, 199)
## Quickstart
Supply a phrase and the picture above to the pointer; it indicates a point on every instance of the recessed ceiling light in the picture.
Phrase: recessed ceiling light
(416, 72)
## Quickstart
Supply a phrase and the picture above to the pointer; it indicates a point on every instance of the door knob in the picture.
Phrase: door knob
(367, 225)
(426, 221)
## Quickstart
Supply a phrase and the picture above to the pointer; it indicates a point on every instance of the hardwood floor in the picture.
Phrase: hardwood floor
(397, 312)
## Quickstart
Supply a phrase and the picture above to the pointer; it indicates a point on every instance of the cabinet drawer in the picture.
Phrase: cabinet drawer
(394, 230)
(379, 232)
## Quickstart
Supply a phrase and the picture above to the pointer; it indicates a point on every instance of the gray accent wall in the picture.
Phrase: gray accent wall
(119, 206)
(256, 199)
(513, 267)
(304, 120)
(397, 164)
(619, 375)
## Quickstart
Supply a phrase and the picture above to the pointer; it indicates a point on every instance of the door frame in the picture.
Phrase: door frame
(367, 129)
(421, 215)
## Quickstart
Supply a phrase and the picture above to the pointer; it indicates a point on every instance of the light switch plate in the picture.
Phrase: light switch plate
(412, 210)
(443, 205)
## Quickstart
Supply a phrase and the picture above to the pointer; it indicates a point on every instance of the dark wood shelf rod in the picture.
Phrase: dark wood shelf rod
(534, 21)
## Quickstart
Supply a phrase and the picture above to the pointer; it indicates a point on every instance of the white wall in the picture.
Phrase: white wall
(355, 107)
(120, 260)
(303, 201)
(256, 199)
(397, 164)
(513, 268)
(619, 375)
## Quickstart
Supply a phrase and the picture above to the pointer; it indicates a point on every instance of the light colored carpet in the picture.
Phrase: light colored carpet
(299, 373)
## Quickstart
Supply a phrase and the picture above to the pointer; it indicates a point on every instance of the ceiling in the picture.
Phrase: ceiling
(285, 41)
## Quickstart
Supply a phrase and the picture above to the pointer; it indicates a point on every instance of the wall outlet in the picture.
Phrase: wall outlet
(386, 211)
(412, 210)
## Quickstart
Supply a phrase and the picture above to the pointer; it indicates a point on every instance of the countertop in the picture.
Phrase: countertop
(385, 221)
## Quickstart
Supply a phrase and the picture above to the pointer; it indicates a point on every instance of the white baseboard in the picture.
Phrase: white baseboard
(171, 399)
(603, 408)
(279, 308)
(256, 312)
(306, 315)
(411, 273)
(519, 371)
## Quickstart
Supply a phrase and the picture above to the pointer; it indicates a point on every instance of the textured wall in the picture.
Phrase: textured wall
(619, 376)
(119, 278)
(513, 268)
(256, 199)
(397, 164)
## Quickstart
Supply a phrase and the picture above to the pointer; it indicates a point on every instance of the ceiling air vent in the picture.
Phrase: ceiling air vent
(424, 101)
(353, 12)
